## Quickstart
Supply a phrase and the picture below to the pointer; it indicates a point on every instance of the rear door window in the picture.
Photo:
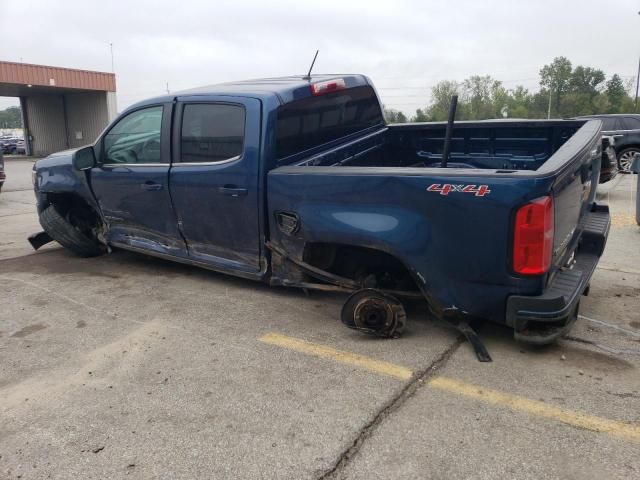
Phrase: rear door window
(211, 132)
(608, 123)
(631, 123)
(313, 121)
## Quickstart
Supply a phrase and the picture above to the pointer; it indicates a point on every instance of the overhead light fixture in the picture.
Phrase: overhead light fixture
(29, 86)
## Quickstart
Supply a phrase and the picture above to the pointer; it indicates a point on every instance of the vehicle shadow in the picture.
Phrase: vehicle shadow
(121, 264)
(499, 338)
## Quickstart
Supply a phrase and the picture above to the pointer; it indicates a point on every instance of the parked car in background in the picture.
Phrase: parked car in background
(20, 148)
(9, 145)
(625, 129)
(608, 164)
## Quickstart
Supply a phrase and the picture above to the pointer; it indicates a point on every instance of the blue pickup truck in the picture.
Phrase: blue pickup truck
(299, 182)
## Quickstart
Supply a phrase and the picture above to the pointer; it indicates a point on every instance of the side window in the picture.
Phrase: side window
(307, 123)
(135, 138)
(608, 123)
(631, 123)
(211, 132)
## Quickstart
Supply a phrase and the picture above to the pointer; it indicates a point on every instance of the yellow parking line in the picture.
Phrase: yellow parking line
(623, 220)
(458, 387)
(537, 408)
(349, 358)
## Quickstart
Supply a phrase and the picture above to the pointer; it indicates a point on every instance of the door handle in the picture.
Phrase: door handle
(232, 191)
(151, 186)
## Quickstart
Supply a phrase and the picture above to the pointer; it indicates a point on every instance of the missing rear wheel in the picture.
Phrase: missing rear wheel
(371, 311)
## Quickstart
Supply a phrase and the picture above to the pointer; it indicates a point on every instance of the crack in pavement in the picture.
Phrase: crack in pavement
(389, 408)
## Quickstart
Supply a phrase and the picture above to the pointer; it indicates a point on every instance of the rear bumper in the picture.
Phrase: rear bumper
(544, 318)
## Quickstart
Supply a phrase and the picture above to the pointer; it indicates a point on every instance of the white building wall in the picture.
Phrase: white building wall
(87, 114)
(45, 114)
(58, 122)
(112, 106)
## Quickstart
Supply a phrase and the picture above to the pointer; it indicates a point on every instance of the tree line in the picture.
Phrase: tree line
(10, 118)
(565, 91)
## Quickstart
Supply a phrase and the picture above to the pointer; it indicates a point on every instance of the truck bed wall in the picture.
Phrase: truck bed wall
(484, 145)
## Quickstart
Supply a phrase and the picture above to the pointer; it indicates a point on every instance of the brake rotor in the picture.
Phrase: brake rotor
(371, 311)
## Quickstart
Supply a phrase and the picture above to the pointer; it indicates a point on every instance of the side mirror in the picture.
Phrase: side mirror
(84, 159)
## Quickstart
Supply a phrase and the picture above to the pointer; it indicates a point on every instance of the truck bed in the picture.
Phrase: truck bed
(492, 145)
(452, 226)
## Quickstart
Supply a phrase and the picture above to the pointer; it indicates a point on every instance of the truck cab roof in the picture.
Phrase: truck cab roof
(284, 89)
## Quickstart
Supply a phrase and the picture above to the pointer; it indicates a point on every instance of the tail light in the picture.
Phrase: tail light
(533, 237)
(328, 86)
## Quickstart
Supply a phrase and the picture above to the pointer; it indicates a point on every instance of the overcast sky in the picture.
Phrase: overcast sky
(404, 46)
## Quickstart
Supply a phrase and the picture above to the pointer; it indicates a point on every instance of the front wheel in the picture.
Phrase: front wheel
(625, 158)
(68, 235)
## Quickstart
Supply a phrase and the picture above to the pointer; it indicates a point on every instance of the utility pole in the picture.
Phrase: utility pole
(111, 48)
(549, 107)
(635, 107)
(167, 88)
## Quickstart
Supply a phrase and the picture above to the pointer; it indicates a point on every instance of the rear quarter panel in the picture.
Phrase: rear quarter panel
(456, 246)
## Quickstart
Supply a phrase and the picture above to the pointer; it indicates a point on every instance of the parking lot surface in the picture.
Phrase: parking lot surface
(125, 366)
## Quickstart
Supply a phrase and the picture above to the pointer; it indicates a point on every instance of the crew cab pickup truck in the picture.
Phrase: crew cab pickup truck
(299, 182)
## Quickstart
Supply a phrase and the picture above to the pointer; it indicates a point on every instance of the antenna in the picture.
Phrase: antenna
(449, 131)
(308, 77)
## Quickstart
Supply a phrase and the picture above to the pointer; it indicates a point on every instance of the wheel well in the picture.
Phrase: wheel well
(76, 210)
(370, 267)
(622, 148)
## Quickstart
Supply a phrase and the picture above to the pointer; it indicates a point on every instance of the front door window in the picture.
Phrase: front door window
(135, 139)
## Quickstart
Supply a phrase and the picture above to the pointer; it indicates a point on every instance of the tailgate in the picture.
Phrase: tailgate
(574, 188)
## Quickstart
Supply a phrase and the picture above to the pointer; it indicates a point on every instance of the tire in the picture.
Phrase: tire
(69, 236)
(625, 158)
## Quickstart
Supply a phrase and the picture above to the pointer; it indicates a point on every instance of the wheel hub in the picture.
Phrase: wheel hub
(371, 311)
(626, 159)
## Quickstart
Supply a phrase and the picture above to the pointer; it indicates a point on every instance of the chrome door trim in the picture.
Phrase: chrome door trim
(195, 164)
(133, 165)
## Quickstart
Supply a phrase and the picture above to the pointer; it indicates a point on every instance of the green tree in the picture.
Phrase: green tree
(556, 78)
(582, 90)
(539, 104)
(441, 95)
(500, 100)
(11, 117)
(420, 116)
(477, 96)
(586, 80)
(392, 115)
(518, 102)
(616, 94)
(601, 104)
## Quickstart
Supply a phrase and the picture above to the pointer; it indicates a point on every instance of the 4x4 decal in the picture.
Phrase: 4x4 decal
(445, 189)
